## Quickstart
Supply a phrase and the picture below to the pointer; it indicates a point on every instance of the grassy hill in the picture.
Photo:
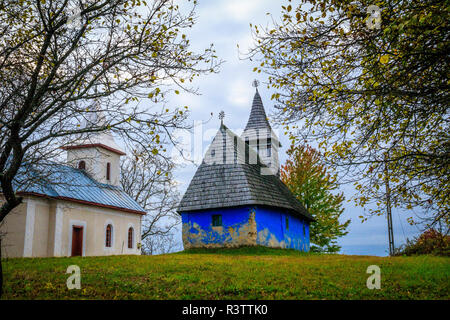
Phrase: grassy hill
(244, 273)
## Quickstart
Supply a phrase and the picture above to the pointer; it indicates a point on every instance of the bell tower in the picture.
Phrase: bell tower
(259, 135)
(98, 154)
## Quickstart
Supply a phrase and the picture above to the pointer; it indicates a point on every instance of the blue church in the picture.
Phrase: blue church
(236, 197)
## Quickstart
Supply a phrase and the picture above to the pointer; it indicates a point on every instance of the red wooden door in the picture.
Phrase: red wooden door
(77, 241)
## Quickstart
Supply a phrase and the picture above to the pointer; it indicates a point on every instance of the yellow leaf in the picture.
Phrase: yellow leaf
(384, 59)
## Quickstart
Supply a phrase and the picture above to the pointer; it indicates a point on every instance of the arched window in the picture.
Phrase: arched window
(108, 241)
(130, 237)
(82, 165)
(108, 171)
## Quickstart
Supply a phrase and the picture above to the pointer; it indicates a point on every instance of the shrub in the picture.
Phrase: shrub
(429, 242)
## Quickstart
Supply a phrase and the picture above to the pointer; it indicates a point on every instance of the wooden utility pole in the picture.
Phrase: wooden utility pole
(389, 209)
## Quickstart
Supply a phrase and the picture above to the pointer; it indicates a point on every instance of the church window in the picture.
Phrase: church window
(247, 150)
(130, 237)
(213, 152)
(82, 165)
(108, 171)
(235, 147)
(217, 220)
(108, 242)
(269, 147)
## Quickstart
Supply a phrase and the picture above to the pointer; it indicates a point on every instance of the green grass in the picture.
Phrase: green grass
(243, 273)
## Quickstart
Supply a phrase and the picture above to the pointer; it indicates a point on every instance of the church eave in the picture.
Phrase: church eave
(96, 204)
(94, 145)
(189, 209)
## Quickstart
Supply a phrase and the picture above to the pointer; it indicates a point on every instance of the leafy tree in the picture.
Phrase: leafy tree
(309, 181)
(52, 70)
(59, 57)
(371, 86)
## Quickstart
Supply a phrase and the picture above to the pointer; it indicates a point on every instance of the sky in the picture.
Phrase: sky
(225, 23)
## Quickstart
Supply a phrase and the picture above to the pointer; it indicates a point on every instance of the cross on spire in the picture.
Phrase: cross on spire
(221, 116)
(255, 84)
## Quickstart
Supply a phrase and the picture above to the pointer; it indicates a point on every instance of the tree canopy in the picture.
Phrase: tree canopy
(368, 81)
(60, 59)
(309, 181)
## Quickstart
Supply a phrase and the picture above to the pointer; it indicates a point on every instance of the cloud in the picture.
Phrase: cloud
(239, 92)
(241, 10)
(231, 10)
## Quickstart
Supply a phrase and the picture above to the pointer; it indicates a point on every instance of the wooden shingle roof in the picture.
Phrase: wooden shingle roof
(258, 117)
(226, 178)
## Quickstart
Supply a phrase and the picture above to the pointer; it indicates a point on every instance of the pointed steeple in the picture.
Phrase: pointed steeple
(258, 117)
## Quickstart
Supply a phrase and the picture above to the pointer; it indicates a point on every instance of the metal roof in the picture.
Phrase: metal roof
(67, 183)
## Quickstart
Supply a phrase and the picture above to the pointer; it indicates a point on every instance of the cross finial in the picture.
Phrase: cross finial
(255, 84)
(221, 116)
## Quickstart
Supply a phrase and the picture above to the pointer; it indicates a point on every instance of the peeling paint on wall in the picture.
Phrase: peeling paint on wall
(268, 239)
(199, 232)
(244, 226)
(274, 232)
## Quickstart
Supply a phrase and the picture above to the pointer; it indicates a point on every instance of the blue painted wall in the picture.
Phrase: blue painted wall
(247, 225)
(237, 228)
(273, 231)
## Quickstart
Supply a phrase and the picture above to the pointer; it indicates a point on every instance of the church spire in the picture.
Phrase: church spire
(258, 117)
(221, 117)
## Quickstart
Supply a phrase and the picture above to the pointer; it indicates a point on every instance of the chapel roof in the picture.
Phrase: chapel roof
(235, 181)
(63, 182)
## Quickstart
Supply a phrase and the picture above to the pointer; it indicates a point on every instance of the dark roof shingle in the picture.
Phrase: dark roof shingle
(235, 182)
(258, 117)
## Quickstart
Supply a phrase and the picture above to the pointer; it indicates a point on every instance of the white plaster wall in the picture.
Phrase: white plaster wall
(12, 231)
(50, 224)
(96, 159)
(94, 221)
